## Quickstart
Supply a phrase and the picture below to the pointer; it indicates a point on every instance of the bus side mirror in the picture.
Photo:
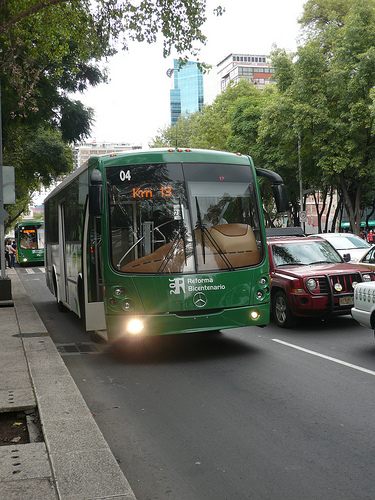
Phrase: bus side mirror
(278, 188)
(96, 193)
(281, 199)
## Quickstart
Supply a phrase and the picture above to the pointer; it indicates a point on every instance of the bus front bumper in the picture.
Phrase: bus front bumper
(120, 326)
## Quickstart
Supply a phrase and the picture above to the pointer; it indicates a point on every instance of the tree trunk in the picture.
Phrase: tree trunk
(354, 213)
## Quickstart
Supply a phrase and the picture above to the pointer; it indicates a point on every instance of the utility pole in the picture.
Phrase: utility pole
(5, 282)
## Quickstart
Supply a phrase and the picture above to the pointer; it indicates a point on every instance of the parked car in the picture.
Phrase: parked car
(368, 260)
(310, 279)
(364, 304)
(350, 246)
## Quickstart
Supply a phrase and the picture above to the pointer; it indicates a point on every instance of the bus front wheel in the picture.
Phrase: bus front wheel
(61, 307)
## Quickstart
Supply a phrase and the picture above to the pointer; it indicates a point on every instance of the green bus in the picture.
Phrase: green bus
(29, 238)
(160, 241)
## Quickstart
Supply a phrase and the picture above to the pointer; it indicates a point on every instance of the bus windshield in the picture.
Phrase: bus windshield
(183, 218)
(31, 237)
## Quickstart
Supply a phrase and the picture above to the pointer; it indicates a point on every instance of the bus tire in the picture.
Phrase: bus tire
(61, 307)
(281, 310)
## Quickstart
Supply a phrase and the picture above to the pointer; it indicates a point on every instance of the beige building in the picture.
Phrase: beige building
(84, 151)
(254, 68)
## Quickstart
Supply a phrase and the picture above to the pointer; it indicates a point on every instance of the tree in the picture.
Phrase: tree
(346, 44)
(182, 134)
(40, 157)
(52, 48)
(61, 39)
(210, 128)
(326, 92)
(214, 123)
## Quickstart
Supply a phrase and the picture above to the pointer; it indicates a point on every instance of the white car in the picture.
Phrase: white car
(349, 246)
(364, 304)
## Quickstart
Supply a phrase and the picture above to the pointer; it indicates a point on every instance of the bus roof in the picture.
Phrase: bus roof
(156, 155)
(162, 155)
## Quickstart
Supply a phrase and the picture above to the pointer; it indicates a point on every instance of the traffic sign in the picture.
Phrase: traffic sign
(303, 216)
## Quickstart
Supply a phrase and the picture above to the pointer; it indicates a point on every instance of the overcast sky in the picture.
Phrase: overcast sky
(135, 103)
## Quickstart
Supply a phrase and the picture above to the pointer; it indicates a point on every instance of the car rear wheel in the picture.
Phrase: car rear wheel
(281, 310)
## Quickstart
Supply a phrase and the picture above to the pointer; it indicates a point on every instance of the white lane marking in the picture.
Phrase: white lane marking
(32, 271)
(329, 358)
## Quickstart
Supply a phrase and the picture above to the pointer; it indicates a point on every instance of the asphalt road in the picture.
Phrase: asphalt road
(246, 414)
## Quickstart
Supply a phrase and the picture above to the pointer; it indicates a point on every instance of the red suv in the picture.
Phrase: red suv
(310, 279)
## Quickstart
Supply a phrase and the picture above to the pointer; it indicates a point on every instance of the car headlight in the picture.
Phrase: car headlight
(366, 277)
(311, 284)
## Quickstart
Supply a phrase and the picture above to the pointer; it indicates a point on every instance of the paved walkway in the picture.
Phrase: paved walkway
(74, 462)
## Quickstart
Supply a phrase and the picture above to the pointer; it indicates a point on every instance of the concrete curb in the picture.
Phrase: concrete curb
(74, 462)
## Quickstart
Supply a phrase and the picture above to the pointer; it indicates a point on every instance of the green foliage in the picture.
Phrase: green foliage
(215, 126)
(40, 156)
(182, 134)
(52, 48)
(212, 127)
(326, 101)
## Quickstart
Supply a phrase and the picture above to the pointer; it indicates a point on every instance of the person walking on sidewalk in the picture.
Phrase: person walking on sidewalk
(12, 253)
(7, 258)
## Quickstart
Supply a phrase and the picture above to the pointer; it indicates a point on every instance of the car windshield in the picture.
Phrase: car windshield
(304, 253)
(350, 241)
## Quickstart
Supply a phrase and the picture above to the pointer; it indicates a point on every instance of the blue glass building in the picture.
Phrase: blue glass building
(187, 94)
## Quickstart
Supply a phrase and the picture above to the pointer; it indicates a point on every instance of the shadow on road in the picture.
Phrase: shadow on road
(196, 347)
(333, 324)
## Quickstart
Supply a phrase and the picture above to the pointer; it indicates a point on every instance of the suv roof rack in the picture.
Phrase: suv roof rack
(284, 231)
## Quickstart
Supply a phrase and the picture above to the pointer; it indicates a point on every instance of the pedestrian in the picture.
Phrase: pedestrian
(12, 253)
(371, 237)
(7, 258)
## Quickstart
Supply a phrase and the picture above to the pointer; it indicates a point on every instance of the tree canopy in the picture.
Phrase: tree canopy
(319, 117)
(328, 91)
(51, 49)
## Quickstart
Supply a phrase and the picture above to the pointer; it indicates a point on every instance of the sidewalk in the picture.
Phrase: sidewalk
(74, 462)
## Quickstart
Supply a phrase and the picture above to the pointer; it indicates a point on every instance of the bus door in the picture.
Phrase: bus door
(62, 292)
(40, 236)
(92, 275)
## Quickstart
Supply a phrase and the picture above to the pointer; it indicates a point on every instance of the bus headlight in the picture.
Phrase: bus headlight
(254, 315)
(135, 326)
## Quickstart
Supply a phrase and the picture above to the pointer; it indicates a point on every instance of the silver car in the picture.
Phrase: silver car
(350, 246)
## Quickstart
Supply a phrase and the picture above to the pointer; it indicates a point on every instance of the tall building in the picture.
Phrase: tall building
(254, 68)
(187, 92)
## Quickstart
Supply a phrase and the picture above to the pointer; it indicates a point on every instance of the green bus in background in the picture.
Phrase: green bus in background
(29, 238)
(162, 241)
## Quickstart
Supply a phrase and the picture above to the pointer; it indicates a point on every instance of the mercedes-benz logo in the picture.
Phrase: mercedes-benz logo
(199, 299)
